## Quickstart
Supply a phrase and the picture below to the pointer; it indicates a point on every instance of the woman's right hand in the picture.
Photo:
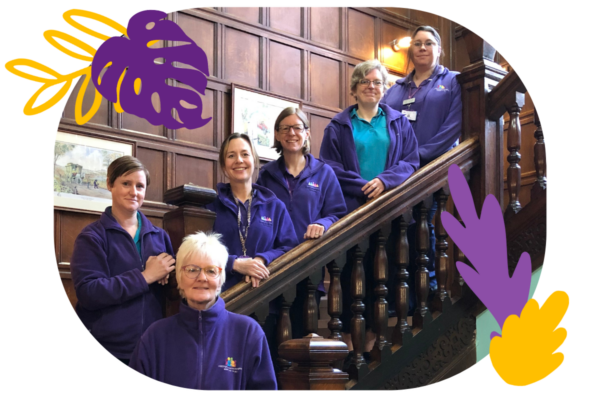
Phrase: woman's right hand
(157, 267)
(253, 267)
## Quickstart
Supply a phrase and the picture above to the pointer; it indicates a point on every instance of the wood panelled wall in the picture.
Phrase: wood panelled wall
(303, 53)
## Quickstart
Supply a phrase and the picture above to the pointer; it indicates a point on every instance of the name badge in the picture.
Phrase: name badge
(408, 101)
(411, 115)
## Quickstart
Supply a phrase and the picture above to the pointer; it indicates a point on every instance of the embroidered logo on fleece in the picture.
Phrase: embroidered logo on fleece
(266, 219)
(313, 184)
(441, 88)
(230, 366)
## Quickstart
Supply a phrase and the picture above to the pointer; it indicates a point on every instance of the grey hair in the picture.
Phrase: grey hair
(363, 69)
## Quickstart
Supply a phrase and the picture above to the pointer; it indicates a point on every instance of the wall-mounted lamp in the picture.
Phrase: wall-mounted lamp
(398, 44)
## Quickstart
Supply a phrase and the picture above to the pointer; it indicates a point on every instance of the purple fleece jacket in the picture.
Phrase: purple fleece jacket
(114, 302)
(213, 349)
(317, 199)
(339, 151)
(271, 231)
(439, 111)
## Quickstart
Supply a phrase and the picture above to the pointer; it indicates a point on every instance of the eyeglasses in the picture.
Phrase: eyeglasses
(286, 128)
(428, 43)
(193, 271)
(365, 82)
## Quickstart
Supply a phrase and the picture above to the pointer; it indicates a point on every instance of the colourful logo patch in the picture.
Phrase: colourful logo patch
(313, 184)
(441, 87)
(266, 219)
(230, 362)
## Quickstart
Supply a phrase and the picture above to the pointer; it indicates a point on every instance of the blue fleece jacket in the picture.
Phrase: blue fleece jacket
(271, 232)
(438, 105)
(339, 151)
(114, 302)
(317, 198)
(212, 349)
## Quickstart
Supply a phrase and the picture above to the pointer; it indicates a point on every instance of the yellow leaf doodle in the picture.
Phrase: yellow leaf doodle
(66, 80)
(525, 352)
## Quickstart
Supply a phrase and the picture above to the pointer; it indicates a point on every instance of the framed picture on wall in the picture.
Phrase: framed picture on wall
(254, 113)
(80, 164)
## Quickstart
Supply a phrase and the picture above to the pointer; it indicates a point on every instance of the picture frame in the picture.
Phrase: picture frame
(254, 113)
(80, 165)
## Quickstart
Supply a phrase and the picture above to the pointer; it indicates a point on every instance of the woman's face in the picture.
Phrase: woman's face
(239, 161)
(292, 141)
(425, 49)
(369, 94)
(128, 191)
(201, 291)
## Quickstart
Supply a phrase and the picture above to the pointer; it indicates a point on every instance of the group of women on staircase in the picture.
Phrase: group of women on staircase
(120, 262)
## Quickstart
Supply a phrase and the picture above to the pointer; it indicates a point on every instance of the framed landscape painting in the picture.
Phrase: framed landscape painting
(80, 164)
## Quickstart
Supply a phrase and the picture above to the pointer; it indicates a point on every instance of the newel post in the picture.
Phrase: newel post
(189, 217)
(477, 80)
(314, 357)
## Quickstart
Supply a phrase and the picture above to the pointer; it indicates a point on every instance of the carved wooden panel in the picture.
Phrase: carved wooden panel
(403, 12)
(287, 19)
(158, 222)
(154, 161)
(101, 116)
(241, 57)
(285, 74)
(248, 14)
(317, 128)
(203, 34)
(425, 18)
(194, 170)
(325, 25)
(70, 224)
(325, 81)
(133, 123)
(206, 134)
(461, 57)
(396, 60)
(350, 100)
(69, 290)
(361, 34)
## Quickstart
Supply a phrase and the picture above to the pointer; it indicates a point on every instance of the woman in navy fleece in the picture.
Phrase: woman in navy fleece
(307, 186)
(205, 346)
(118, 263)
(255, 225)
(371, 148)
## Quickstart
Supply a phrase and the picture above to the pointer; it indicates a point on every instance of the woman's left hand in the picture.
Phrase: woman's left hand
(373, 188)
(314, 231)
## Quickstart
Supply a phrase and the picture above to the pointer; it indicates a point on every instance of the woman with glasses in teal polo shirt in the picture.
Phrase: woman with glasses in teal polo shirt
(371, 148)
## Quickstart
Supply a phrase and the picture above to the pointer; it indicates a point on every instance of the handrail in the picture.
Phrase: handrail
(503, 94)
(305, 258)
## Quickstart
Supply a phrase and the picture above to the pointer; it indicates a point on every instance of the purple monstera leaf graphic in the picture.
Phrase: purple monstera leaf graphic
(143, 77)
(483, 240)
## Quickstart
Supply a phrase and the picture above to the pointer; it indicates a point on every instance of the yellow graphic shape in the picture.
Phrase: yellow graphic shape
(525, 352)
(66, 80)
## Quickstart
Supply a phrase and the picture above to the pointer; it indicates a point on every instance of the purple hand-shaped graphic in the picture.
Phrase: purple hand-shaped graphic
(133, 55)
(483, 241)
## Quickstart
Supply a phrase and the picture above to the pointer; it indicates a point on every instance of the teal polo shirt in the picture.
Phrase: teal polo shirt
(136, 238)
(372, 142)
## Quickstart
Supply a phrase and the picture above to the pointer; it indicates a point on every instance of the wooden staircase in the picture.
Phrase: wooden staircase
(438, 341)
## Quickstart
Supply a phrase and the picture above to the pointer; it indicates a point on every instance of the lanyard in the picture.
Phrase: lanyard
(239, 220)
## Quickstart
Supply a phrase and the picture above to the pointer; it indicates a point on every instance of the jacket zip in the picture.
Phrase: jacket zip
(201, 349)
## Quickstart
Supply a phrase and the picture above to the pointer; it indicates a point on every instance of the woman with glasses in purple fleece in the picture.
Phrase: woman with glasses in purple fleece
(205, 346)
(307, 186)
(118, 263)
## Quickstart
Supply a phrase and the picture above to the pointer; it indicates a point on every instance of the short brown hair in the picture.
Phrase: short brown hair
(363, 69)
(283, 115)
(225, 146)
(124, 166)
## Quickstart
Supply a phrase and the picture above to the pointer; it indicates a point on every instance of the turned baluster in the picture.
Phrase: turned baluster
(539, 152)
(284, 329)
(358, 368)
(513, 175)
(334, 301)
(402, 332)
(381, 348)
(441, 299)
(310, 310)
(457, 283)
(422, 315)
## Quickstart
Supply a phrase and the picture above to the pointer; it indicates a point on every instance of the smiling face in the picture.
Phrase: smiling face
(292, 141)
(369, 95)
(239, 161)
(201, 292)
(425, 50)
(128, 191)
